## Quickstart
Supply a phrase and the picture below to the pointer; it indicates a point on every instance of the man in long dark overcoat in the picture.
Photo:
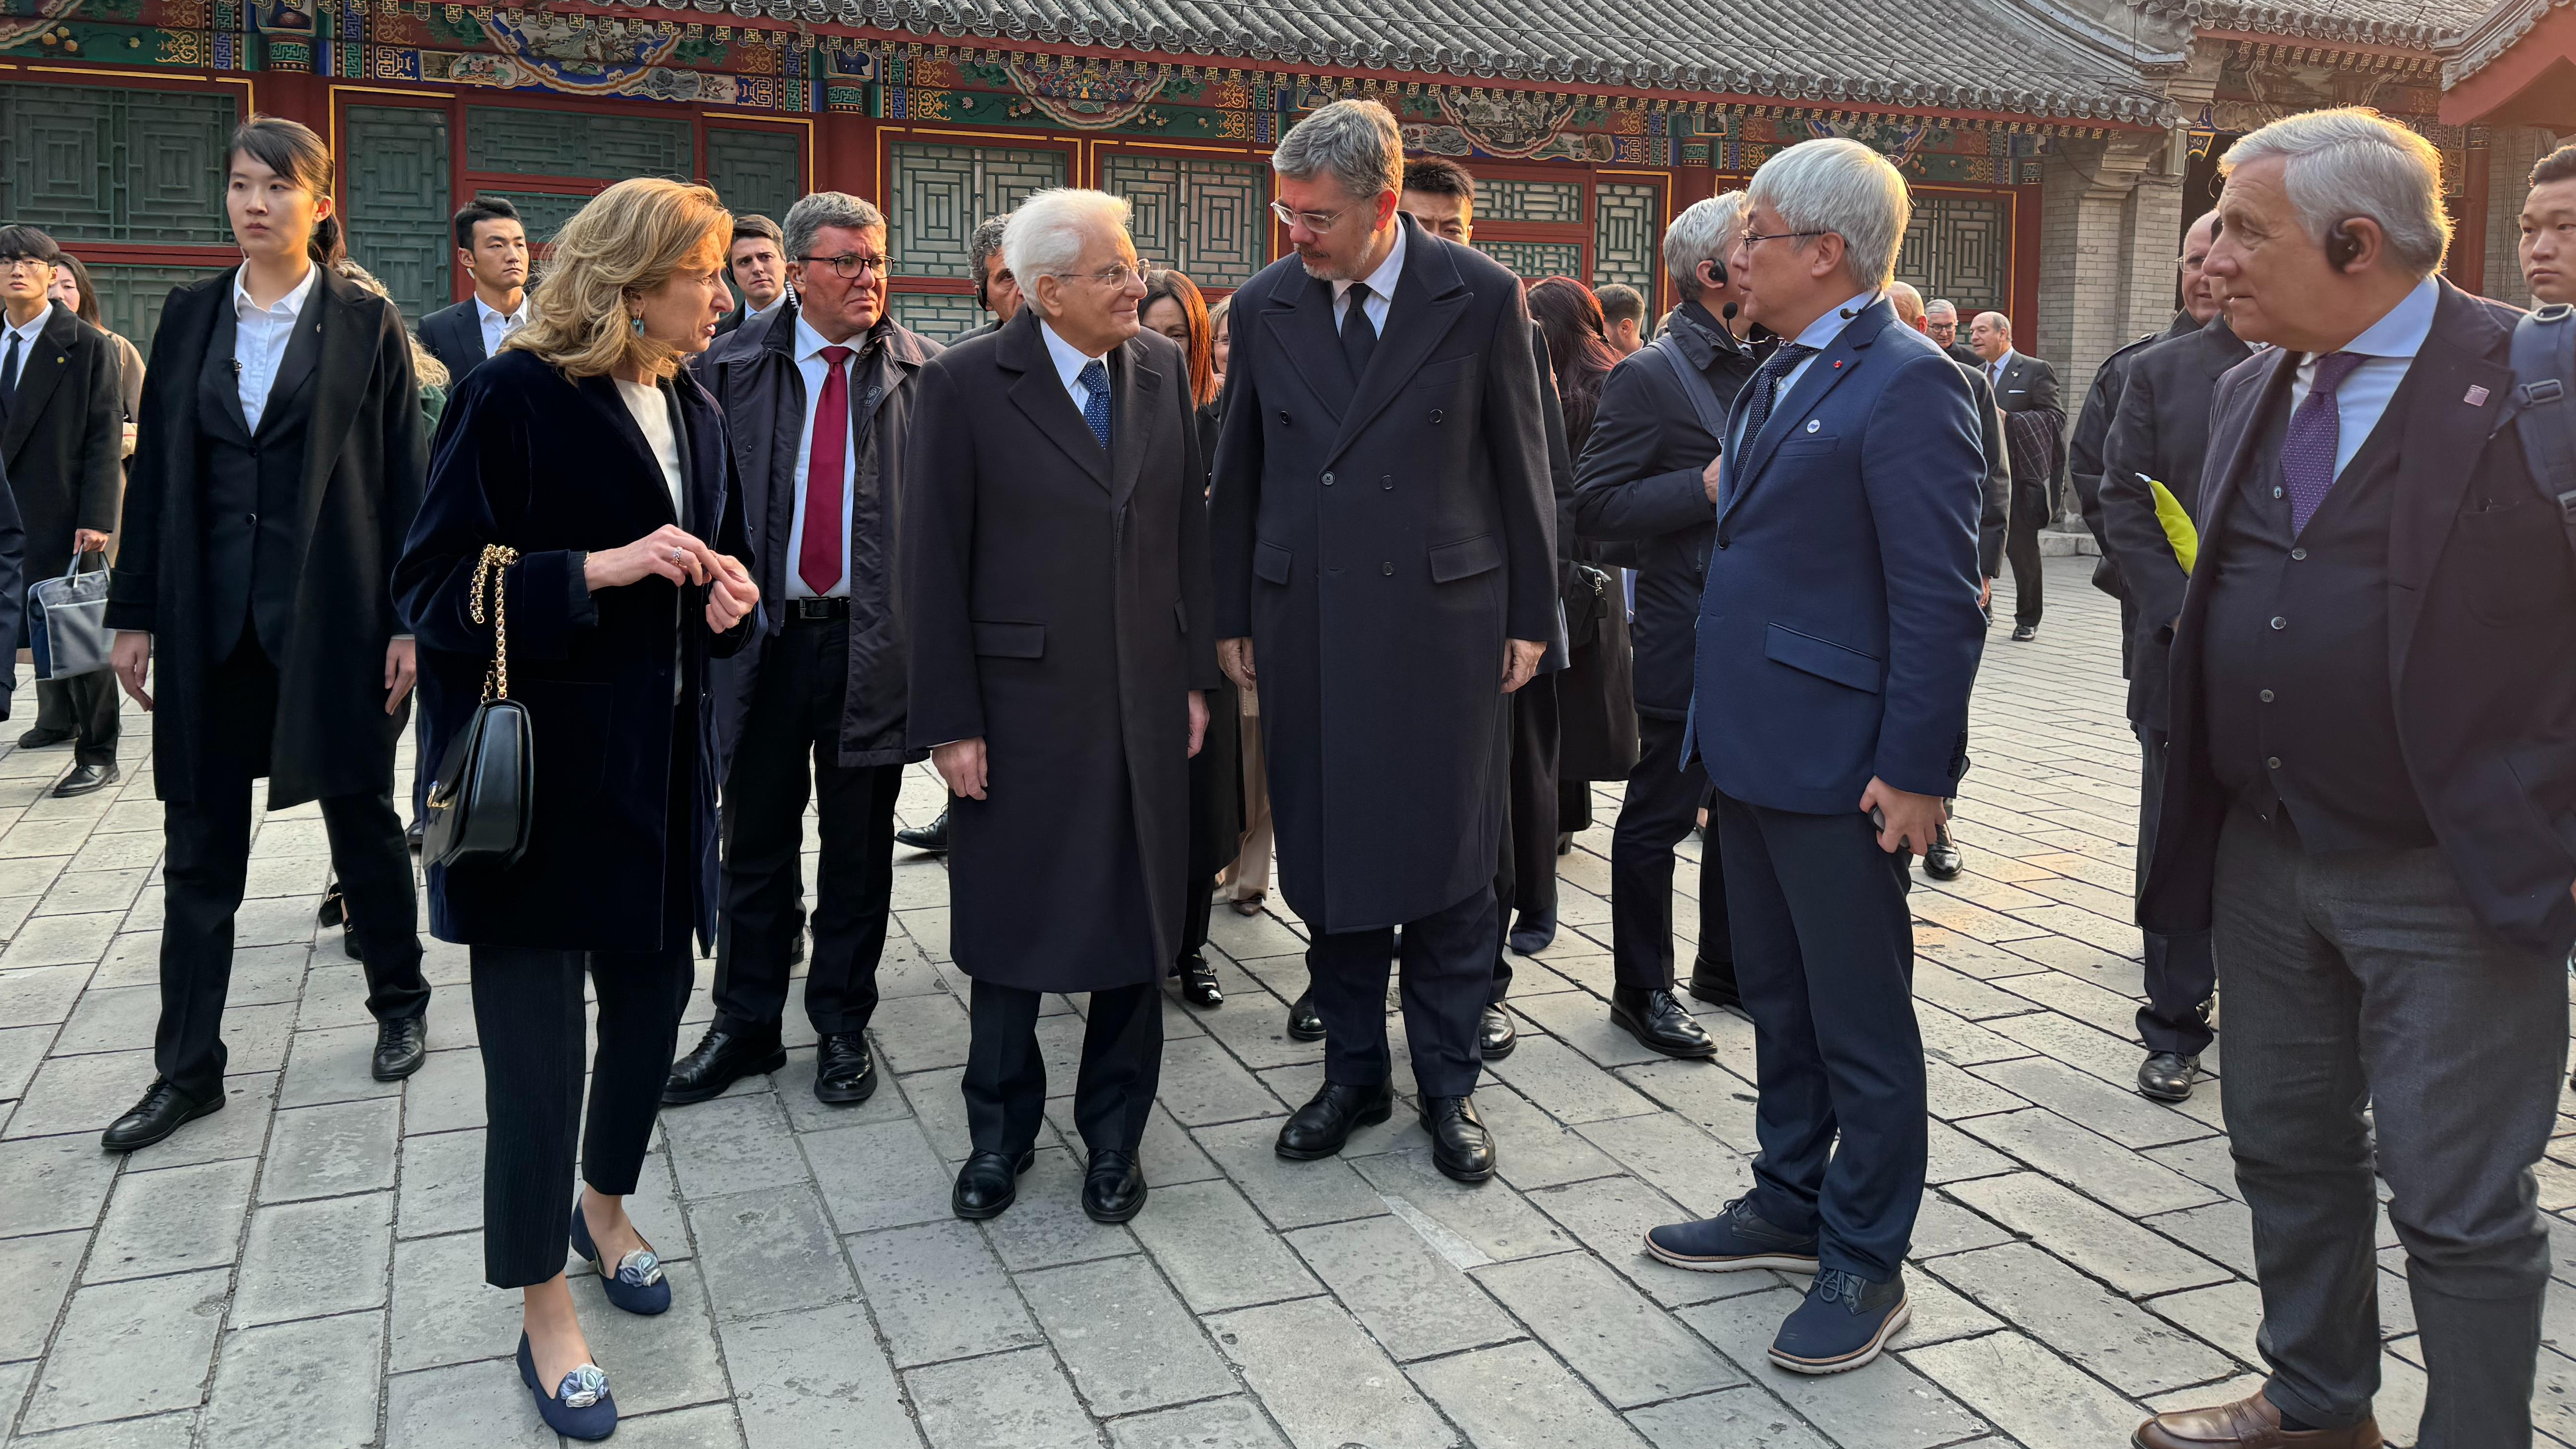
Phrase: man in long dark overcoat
(1385, 564)
(1054, 580)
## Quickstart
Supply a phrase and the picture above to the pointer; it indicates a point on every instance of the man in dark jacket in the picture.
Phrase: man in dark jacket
(62, 447)
(1384, 554)
(818, 399)
(1941, 324)
(2024, 384)
(492, 247)
(2162, 432)
(2370, 794)
(1640, 484)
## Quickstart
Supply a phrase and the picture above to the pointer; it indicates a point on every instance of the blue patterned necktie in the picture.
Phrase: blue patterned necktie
(2315, 435)
(1096, 412)
(1766, 389)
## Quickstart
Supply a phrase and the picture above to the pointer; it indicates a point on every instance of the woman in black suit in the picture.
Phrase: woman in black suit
(276, 469)
(577, 476)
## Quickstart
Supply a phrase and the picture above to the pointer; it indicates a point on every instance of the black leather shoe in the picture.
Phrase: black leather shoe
(1114, 1189)
(990, 1182)
(164, 1110)
(2024, 633)
(1304, 1022)
(843, 1071)
(1198, 981)
(1460, 1146)
(86, 780)
(1714, 982)
(2167, 1076)
(44, 739)
(1532, 934)
(1328, 1119)
(722, 1058)
(1496, 1034)
(1943, 861)
(1659, 1022)
(796, 948)
(1565, 842)
(402, 1044)
(931, 839)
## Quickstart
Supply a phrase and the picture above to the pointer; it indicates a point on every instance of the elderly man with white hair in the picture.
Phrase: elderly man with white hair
(2370, 793)
(1055, 576)
(1837, 639)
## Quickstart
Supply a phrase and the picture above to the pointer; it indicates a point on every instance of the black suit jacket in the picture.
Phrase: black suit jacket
(2482, 582)
(454, 335)
(2084, 459)
(2162, 431)
(361, 480)
(63, 443)
(1964, 355)
(2027, 383)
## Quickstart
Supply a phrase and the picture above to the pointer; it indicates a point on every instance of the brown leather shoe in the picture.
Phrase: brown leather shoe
(2247, 1424)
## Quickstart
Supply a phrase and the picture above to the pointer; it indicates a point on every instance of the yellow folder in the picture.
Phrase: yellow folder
(2178, 527)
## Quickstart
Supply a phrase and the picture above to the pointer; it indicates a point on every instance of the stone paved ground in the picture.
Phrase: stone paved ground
(304, 1269)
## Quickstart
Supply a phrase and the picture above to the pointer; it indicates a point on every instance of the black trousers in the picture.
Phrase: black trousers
(208, 840)
(2021, 547)
(1525, 867)
(1447, 979)
(528, 1009)
(1657, 813)
(793, 725)
(1824, 955)
(1005, 1081)
(83, 706)
(2182, 974)
(1198, 900)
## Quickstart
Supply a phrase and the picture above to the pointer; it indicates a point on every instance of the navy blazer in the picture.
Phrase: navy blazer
(454, 335)
(1839, 632)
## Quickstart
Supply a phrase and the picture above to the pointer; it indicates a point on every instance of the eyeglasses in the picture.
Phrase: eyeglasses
(1753, 239)
(11, 264)
(1116, 275)
(851, 264)
(1310, 220)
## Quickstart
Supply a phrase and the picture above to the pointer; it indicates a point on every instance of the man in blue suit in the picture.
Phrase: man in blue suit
(1838, 636)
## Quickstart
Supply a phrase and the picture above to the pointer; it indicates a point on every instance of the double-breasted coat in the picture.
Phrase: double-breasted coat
(615, 682)
(1056, 600)
(1378, 539)
(347, 370)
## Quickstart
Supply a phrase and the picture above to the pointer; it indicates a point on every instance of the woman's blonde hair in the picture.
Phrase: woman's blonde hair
(627, 241)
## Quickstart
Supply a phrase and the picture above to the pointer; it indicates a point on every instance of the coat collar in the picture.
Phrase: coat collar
(1427, 304)
(603, 395)
(1825, 371)
(40, 367)
(1039, 394)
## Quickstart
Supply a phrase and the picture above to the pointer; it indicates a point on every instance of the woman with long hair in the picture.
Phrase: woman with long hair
(579, 549)
(1173, 307)
(1578, 350)
(277, 468)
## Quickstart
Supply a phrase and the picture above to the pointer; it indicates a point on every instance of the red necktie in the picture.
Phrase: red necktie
(818, 563)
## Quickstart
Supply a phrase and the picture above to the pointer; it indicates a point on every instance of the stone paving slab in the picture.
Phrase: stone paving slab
(305, 1267)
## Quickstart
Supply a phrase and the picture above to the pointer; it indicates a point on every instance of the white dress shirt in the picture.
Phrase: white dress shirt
(1069, 363)
(26, 337)
(2390, 344)
(260, 336)
(814, 370)
(497, 326)
(653, 414)
(1381, 285)
(1820, 334)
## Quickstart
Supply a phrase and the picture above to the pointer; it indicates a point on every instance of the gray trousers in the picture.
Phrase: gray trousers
(2362, 978)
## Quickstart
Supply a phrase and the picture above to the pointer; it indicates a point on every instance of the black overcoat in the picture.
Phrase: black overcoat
(1216, 771)
(363, 463)
(1378, 541)
(1056, 599)
(556, 468)
(63, 444)
(752, 372)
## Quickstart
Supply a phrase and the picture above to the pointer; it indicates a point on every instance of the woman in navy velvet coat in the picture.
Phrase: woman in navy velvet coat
(584, 447)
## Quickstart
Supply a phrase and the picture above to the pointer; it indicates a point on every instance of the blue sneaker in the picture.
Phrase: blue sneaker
(580, 1407)
(637, 1286)
(1735, 1240)
(1845, 1322)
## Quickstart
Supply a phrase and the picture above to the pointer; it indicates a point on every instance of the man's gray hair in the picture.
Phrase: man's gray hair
(1045, 237)
(1705, 231)
(1941, 304)
(1841, 186)
(986, 241)
(2356, 162)
(1354, 142)
(826, 208)
(1997, 321)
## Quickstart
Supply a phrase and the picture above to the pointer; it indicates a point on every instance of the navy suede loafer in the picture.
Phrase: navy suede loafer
(579, 1407)
(1845, 1322)
(1735, 1240)
(637, 1285)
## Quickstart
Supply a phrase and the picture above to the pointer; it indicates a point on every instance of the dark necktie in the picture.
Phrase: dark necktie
(1766, 389)
(1359, 335)
(2316, 433)
(9, 377)
(818, 563)
(1095, 409)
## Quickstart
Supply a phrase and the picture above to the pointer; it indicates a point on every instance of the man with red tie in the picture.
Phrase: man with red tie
(818, 398)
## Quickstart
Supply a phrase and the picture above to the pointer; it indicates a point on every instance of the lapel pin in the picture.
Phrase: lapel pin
(1812, 425)
(1838, 365)
(2476, 397)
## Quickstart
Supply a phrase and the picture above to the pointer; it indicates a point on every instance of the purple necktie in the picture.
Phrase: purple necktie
(2316, 432)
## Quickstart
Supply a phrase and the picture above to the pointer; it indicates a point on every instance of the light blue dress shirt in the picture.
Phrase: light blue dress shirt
(2390, 345)
(1820, 334)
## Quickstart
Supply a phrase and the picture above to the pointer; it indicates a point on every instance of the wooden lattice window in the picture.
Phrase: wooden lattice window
(760, 172)
(937, 194)
(397, 208)
(1960, 248)
(522, 141)
(1627, 233)
(1208, 218)
(117, 164)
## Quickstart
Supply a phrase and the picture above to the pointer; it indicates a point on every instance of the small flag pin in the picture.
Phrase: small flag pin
(2476, 397)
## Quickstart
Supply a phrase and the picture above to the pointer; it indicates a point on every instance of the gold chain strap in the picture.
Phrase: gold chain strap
(488, 581)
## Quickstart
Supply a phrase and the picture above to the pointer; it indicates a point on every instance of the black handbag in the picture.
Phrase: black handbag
(483, 804)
